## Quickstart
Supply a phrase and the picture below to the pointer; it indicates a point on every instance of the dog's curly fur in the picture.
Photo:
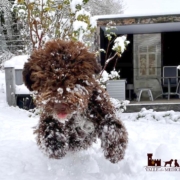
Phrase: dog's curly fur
(75, 110)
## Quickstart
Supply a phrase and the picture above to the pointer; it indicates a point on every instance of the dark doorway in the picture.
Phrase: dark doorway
(170, 52)
(170, 49)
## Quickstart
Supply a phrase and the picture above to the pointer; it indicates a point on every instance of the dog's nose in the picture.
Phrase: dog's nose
(61, 107)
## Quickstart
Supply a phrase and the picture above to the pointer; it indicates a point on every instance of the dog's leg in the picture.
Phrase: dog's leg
(114, 139)
(110, 130)
(52, 137)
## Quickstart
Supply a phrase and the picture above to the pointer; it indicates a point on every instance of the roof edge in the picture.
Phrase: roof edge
(126, 16)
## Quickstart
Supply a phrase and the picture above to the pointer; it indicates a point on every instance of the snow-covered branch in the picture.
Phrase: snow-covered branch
(119, 47)
(116, 44)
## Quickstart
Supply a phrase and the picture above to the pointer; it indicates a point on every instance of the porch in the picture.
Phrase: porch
(154, 45)
(156, 105)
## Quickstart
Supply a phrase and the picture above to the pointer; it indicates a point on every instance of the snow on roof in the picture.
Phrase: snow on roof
(22, 89)
(17, 62)
(120, 16)
(146, 28)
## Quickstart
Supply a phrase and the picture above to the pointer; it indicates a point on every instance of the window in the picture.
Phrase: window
(147, 56)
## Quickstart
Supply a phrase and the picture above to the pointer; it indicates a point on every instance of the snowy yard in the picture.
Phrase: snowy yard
(151, 132)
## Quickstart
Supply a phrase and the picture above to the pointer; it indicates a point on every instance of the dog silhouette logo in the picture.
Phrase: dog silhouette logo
(159, 165)
(176, 163)
(157, 162)
(168, 162)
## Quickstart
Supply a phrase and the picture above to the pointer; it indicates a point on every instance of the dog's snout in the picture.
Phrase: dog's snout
(61, 107)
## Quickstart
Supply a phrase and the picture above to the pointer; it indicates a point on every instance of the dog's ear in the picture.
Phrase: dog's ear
(34, 73)
(27, 75)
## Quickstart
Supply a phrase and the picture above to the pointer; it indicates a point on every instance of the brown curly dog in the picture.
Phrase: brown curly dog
(75, 110)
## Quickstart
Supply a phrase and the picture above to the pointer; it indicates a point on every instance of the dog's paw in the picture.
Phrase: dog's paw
(52, 138)
(114, 140)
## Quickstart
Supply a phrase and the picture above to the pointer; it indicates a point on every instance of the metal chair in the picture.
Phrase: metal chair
(169, 80)
(170, 71)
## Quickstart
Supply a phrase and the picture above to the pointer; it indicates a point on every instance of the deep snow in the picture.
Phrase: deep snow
(20, 158)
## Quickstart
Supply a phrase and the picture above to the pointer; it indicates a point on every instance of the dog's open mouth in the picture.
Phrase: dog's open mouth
(61, 111)
(62, 115)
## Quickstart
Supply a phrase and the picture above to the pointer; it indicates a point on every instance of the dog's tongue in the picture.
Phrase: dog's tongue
(62, 115)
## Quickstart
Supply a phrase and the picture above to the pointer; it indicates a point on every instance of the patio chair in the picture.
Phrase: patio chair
(145, 89)
(170, 71)
(169, 80)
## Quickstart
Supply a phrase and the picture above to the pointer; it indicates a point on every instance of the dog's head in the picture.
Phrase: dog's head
(62, 74)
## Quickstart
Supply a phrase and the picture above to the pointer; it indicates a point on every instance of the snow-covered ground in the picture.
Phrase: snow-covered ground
(149, 132)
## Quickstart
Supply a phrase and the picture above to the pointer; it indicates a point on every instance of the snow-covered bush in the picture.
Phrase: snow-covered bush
(42, 20)
(113, 75)
(149, 115)
(105, 7)
(120, 106)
